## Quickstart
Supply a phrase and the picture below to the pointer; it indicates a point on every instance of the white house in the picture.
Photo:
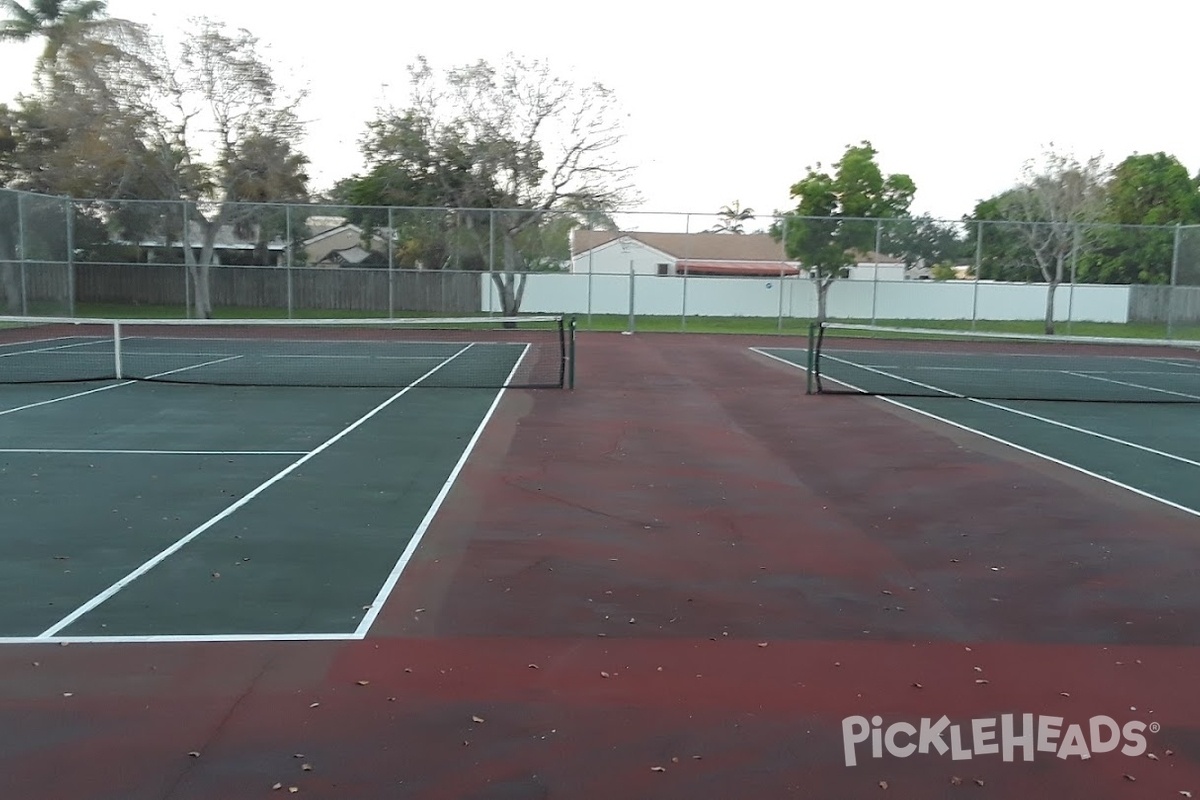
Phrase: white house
(878, 267)
(675, 254)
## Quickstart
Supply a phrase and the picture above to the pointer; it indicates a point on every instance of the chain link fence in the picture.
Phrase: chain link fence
(631, 271)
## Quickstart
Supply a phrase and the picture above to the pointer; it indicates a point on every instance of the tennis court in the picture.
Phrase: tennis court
(1119, 411)
(278, 496)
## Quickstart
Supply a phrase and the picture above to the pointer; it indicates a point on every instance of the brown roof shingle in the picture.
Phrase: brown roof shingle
(701, 246)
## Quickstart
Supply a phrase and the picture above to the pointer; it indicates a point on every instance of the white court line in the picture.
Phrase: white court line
(1111, 481)
(113, 386)
(25, 342)
(7, 354)
(42, 451)
(1020, 413)
(388, 585)
(169, 638)
(1137, 385)
(262, 487)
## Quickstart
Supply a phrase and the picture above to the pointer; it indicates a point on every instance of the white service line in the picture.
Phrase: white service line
(258, 490)
(1137, 385)
(7, 354)
(24, 342)
(388, 585)
(114, 386)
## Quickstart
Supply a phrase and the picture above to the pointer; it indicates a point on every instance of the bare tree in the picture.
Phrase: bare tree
(221, 135)
(1055, 197)
(516, 141)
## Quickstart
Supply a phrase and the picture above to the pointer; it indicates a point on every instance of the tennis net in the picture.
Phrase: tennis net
(910, 362)
(473, 352)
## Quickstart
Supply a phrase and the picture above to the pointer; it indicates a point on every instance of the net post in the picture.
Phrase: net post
(812, 357)
(571, 354)
(118, 370)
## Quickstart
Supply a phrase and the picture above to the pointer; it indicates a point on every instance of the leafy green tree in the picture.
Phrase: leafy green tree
(835, 214)
(61, 23)
(1145, 190)
(1003, 255)
(925, 240)
(732, 218)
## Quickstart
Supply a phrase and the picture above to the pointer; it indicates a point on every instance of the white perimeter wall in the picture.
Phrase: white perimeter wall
(566, 293)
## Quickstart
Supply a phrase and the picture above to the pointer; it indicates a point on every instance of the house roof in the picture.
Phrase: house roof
(744, 268)
(726, 247)
(350, 256)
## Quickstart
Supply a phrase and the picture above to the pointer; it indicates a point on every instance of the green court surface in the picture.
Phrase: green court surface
(1149, 448)
(137, 511)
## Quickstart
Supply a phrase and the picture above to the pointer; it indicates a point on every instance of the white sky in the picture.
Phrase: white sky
(732, 101)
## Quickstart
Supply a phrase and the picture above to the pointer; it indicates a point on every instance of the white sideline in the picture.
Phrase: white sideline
(258, 490)
(388, 585)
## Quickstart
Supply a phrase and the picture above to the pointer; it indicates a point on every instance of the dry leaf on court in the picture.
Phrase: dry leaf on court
(1151, 756)
(313, 705)
(979, 781)
(476, 719)
(306, 767)
(277, 787)
(658, 769)
(955, 781)
(604, 675)
(1129, 777)
(883, 784)
(364, 683)
(194, 754)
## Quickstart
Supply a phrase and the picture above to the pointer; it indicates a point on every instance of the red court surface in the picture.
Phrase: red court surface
(678, 581)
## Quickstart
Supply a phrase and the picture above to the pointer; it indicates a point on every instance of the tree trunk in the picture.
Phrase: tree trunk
(510, 283)
(201, 267)
(1050, 287)
(10, 286)
(10, 277)
(823, 284)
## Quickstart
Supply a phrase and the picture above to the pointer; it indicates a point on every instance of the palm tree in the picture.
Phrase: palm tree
(732, 218)
(62, 23)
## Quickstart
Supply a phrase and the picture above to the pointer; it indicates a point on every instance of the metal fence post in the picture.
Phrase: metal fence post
(185, 238)
(287, 213)
(70, 218)
(591, 272)
(391, 255)
(1173, 290)
(875, 276)
(782, 272)
(978, 269)
(687, 229)
(632, 314)
(21, 249)
(1075, 243)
